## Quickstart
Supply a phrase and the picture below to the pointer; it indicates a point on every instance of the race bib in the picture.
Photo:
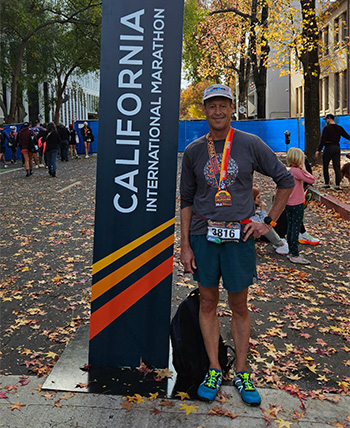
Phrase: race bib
(222, 231)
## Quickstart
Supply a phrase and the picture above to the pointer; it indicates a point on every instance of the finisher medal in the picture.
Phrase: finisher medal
(222, 196)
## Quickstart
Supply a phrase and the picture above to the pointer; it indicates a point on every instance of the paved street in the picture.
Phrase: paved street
(300, 314)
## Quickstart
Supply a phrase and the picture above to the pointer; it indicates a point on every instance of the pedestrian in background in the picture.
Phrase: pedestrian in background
(25, 143)
(52, 140)
(88, 138)
(41, 145)
(64, 145)
(3, 138)
(330, 138)
(37, 128)
(295, 204)
(73, 137)
(279, 244)
(13, 144)
(304, 236)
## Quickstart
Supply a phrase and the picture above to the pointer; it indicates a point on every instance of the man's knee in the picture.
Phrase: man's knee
(209, 299)
(238, 304)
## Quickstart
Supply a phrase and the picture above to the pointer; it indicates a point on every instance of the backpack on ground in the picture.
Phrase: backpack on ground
(190, 358)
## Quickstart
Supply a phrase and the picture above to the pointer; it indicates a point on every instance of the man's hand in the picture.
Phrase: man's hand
(187, 259)
(256, 229)
(317, 153)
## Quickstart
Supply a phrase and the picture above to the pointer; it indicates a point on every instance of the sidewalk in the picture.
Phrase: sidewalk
(300, 318)
(34, 409)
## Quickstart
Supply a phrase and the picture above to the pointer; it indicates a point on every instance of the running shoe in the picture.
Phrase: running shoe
(208, 389)
(282, 249)
(326, 186)
(298, 259)
(306, 238)
(246, 387)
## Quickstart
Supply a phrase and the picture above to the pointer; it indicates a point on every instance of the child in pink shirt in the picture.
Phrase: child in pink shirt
(295, 204)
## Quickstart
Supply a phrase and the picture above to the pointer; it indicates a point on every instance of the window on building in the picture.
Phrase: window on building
(345, 91)
(337, 90)
(344, 26)
(326, 93)
(326, 40)
(336, 32)
(321, 94)
(299, 100)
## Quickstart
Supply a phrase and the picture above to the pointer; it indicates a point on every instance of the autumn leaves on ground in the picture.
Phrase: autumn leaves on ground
(300, 314)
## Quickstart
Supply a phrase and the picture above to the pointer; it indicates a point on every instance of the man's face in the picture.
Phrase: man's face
(218, 111)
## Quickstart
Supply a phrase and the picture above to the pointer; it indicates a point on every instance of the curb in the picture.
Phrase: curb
(332, 202)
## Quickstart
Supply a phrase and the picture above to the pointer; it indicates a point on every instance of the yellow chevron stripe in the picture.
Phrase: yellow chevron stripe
(115, 277)
(111, 258)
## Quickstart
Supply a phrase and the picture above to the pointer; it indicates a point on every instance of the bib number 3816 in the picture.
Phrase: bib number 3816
(220, 232)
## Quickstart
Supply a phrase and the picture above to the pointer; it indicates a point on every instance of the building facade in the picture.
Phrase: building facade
(80, 101)
(334, 62)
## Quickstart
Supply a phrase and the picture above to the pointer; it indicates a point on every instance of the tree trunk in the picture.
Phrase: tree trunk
(259, 65)
(310, 61)
(15, 81)
(311, 114)
(243, 77)
(260, 83)
(58, 104)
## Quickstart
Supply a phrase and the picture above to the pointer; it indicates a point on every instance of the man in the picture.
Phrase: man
(216, 184)
(330, 138)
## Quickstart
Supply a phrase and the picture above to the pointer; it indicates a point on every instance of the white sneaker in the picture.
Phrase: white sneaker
(306, 238)
(86, 157)
(282, 249)
(299, 260)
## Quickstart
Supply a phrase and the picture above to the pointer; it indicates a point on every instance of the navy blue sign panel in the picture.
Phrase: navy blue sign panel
(136, 182)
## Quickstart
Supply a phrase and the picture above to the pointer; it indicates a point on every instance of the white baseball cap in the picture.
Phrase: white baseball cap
(217, 91)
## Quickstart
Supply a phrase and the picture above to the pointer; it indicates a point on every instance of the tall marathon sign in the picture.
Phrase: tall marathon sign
(136, 182)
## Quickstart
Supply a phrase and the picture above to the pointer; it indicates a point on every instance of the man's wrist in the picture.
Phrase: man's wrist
(269, 222)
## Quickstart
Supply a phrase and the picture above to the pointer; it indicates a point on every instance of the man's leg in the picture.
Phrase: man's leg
(240, 327)
(326, 159)
(210, 328)
(209, 323)
(336, 165)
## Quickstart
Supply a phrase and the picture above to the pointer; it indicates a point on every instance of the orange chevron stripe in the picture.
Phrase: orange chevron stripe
(115, 277)
(109, 312)
(111, 258)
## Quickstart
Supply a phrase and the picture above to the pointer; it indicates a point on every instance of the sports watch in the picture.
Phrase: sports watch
(268, 220)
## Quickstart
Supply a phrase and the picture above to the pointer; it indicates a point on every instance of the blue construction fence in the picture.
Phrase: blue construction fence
(269, 130)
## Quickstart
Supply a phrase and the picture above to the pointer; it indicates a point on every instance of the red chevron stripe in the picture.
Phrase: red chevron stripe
(109, 312)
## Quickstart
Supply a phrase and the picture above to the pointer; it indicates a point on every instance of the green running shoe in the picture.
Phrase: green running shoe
(246, 387)
(208, 389)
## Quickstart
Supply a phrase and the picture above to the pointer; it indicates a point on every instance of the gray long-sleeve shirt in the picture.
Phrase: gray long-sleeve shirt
(198, 185)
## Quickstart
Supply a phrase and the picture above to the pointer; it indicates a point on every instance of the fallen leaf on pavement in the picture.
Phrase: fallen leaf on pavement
(189, 408)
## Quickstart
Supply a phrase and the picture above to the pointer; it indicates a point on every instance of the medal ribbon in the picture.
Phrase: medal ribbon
(220, 175)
